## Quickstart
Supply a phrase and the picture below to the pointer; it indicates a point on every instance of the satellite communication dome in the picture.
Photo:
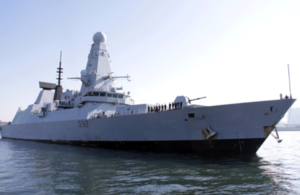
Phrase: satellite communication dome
(99, 37)
(83, 73)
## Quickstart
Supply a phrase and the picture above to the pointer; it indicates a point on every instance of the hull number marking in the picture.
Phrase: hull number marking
(83, 124)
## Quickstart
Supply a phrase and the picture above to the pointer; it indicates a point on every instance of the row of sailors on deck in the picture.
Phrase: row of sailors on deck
(162, 107)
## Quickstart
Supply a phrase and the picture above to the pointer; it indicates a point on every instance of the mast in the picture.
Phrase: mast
(290, 110)
(58, 88)
(289, 81)
(59, 70)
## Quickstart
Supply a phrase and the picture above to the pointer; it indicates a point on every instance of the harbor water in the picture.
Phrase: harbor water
(40, 168)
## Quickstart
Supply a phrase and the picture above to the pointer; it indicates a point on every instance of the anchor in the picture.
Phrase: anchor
(208, 132)
(277, 136)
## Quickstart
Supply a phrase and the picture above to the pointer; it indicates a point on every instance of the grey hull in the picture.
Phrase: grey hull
(239, 128)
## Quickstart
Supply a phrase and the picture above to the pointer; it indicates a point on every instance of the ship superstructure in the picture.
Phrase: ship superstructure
(100, 114)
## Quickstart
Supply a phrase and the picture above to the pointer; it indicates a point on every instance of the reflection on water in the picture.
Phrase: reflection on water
(38, 168)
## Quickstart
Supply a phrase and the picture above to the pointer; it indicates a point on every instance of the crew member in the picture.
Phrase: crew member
(286, 97)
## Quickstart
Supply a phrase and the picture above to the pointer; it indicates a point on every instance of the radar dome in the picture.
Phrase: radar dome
(99, 37)
(83, 73)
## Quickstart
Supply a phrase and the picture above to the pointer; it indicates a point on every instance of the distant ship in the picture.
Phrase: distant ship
(101, 115)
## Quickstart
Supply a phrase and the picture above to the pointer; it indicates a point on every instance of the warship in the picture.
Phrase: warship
(101, 115)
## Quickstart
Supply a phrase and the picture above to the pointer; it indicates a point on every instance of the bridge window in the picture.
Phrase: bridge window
(115, 95)
(121, 96)
(96, 93)
(102, 94)
(109, 95)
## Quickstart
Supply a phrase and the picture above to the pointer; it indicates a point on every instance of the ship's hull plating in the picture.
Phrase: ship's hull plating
(239, 128)
(195, 146)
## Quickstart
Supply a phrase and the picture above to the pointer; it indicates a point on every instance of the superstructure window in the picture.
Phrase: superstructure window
(115, 95)
(109, 95)
(96, 93)
(121, 96)
(102, 94)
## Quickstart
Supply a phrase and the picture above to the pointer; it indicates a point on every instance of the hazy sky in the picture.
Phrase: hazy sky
(229, 51)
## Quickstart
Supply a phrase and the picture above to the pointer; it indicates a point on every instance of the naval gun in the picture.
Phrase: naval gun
(189, 100)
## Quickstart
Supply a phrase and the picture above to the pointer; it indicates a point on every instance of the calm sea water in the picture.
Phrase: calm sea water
(38, 168)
